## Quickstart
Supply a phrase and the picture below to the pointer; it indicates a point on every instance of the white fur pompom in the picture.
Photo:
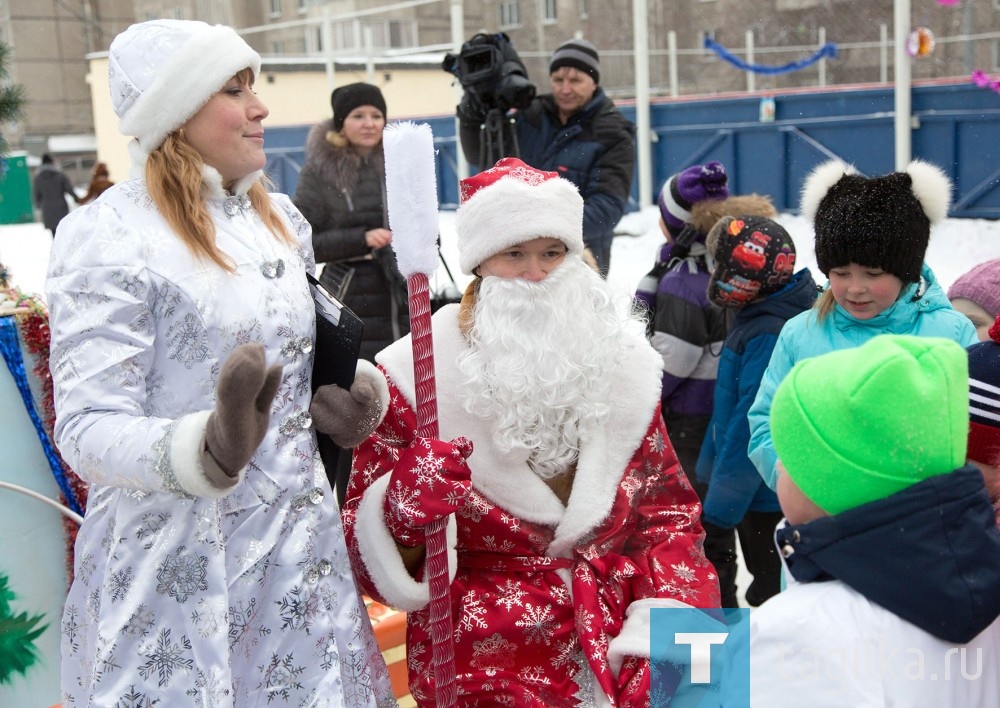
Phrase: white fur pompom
(818, 183)
(932, 188)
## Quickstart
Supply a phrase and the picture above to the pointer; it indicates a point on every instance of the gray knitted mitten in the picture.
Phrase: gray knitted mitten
(244, 394)
(348, 417)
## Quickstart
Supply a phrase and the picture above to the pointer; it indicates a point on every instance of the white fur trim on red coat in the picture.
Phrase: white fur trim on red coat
(186, 445)
(381, 556)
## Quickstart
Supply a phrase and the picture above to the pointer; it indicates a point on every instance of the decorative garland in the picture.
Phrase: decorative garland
(32, 331)
(981, 79)
(828, 50)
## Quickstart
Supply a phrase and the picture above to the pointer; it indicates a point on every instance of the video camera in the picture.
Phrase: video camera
(488, 66)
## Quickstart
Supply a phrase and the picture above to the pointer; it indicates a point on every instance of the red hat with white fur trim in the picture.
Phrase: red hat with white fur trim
(511, 203)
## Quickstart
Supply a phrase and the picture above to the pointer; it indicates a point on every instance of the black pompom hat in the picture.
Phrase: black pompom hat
(879, 222)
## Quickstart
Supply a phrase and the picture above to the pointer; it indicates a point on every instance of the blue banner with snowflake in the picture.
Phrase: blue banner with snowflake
(699, 658)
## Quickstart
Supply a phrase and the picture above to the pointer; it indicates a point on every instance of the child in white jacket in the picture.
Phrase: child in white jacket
(890, 540)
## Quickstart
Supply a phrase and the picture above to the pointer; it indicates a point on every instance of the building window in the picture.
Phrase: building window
(178, 13)
(510, 15)
(302, 5)
(274, 7)
(581, 9)
(549, 10)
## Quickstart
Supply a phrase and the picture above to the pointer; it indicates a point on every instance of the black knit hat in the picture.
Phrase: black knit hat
(345, 99)
(754, 256)
(579, 54)
(879, 222)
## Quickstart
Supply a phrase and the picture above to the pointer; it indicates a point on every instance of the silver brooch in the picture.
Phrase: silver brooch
(234, 205)
(272, 269)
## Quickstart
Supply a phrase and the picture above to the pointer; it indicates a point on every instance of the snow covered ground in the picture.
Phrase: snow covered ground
(956, 245)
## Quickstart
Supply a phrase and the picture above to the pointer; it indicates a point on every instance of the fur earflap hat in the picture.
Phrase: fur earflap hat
(984, 399)
(162, 72)
(511, 203)
(754, 257)
(879, 222)
(851, 426)
(345, 99)
(688, 187)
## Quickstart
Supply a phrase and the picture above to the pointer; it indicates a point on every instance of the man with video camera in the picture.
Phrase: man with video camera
(575, 130)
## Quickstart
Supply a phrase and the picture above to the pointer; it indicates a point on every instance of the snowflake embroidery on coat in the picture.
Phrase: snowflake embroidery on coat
(281, 677)
(151, 528)
(182, 574)
(187, 341)
(209, 617)
(209, 687)
(472, 615)
(538, 623)
(164, 657)
(476, 507)
(492, 654)
(510, 595)
(71, 628)
(296, 609)
(136, 699)
(657, 442)
(119, 583)
(140, 622)
(244, 627)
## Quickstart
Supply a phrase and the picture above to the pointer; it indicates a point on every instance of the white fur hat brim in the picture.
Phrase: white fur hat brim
(189, 61)
(510, 211)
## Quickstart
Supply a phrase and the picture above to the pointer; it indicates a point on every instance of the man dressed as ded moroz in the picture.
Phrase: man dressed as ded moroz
(575, 131)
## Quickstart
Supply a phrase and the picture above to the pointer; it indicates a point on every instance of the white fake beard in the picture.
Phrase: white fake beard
(540, 360)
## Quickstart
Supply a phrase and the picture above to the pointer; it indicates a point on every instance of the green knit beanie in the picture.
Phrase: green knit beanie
(861, 424)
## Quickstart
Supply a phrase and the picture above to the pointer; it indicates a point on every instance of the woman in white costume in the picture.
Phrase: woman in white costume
(211, 568)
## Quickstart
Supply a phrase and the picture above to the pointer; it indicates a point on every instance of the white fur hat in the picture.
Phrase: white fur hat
(162, 72)
(511, 203)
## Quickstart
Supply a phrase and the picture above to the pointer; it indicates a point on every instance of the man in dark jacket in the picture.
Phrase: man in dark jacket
(577, 132)
(49, 190)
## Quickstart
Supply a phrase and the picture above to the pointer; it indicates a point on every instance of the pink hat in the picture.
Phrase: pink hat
(981, 285)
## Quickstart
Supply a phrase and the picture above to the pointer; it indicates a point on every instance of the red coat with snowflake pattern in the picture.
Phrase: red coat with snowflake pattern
(550, 601)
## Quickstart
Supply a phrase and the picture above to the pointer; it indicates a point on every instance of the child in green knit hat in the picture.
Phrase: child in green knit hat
(889, 539)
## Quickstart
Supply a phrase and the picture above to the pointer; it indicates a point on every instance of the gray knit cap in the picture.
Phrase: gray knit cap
(579, 54)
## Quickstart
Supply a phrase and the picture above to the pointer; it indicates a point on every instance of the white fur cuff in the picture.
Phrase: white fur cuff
(185, 457)
(633, 640)
(381, 557)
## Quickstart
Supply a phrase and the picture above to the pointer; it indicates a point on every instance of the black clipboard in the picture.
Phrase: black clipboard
(338, 339)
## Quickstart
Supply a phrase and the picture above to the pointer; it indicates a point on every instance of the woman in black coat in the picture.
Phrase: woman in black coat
(341, 192)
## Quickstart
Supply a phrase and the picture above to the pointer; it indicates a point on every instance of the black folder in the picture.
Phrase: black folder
(338, 339)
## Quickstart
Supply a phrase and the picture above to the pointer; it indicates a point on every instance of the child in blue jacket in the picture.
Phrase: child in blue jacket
(871, 237)
(754, 263)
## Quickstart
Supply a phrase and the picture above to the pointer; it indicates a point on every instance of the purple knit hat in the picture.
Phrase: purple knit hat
(981, 285)
(688, 187)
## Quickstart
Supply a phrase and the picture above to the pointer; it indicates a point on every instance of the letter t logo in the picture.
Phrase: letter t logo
(701, 652)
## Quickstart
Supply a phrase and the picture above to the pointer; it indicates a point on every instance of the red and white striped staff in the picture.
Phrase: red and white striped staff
(411, 195)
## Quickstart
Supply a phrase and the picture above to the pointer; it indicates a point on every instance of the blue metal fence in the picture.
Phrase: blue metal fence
(956, 127)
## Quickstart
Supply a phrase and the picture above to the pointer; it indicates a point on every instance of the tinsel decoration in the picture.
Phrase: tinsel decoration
(33, 334)
(981, 79)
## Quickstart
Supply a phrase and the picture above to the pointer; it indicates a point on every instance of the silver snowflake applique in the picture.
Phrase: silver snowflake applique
(471, 615)
(510, 595)
(165, 657)
(119, 583)
(296, 609)
(181, 574)
(538, 624)
(139, 623)
(281, 677)
(187, 341)
(492, 654)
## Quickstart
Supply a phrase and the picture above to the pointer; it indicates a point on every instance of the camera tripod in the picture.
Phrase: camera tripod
(498, 138)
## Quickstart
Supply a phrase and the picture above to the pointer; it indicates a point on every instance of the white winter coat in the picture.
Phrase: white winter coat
(827, 646)
(182, 599)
